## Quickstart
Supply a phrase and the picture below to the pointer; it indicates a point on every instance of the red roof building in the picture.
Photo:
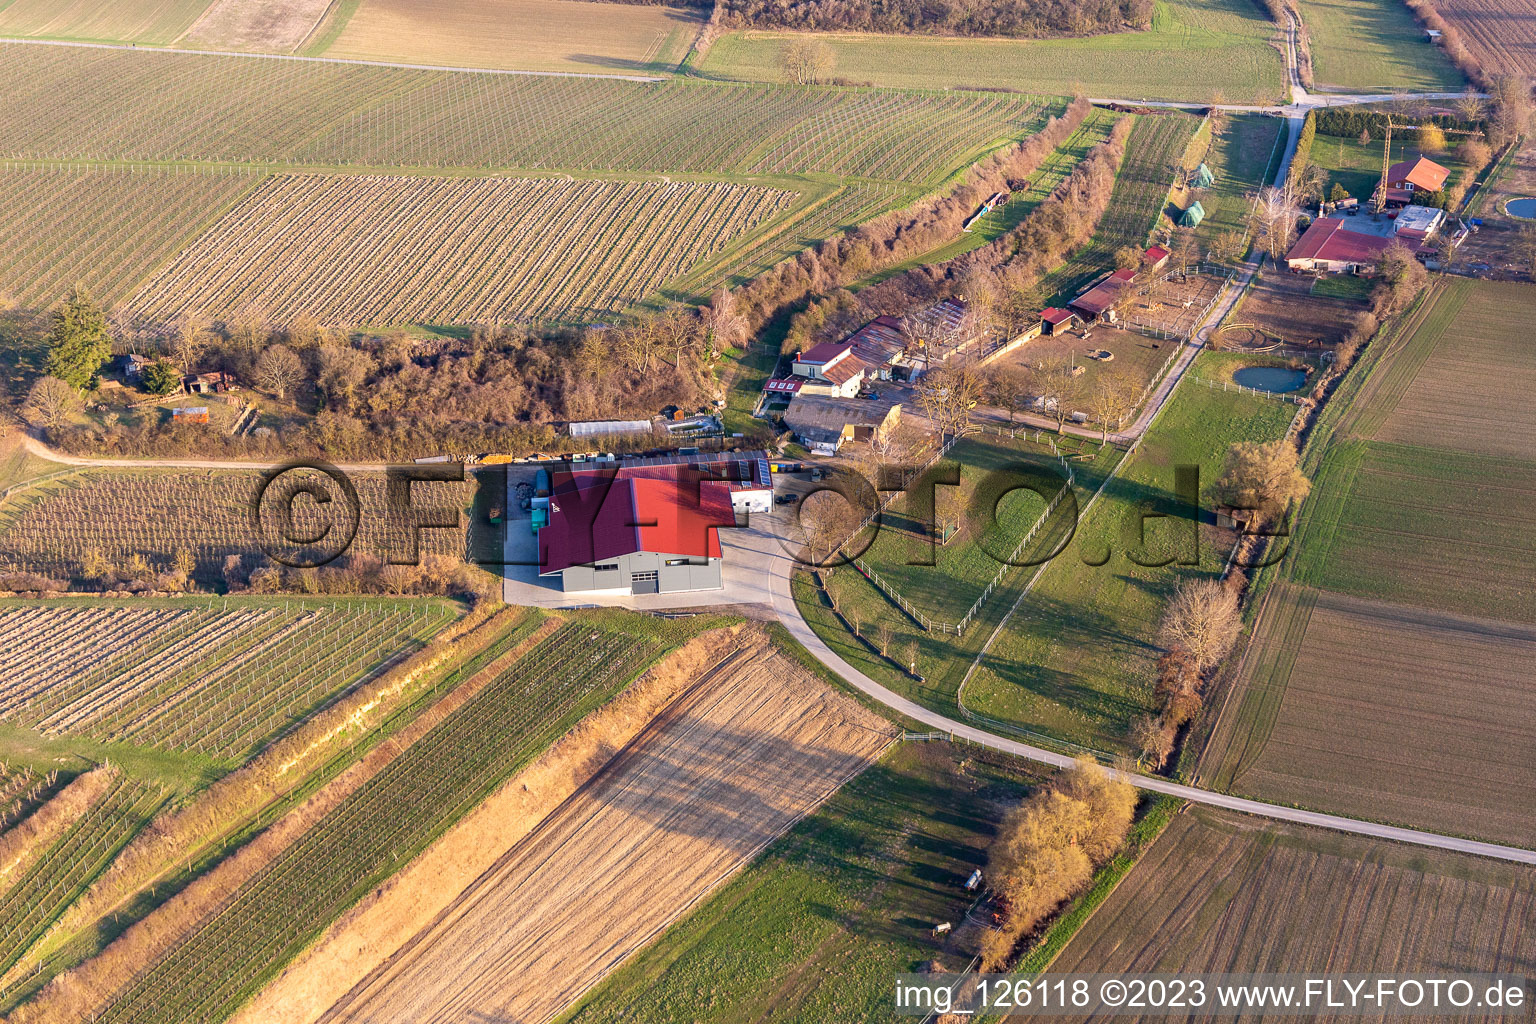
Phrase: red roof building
(1155, 257)
(1101, 298)
(647, 529)
(1414, 174)
(1329, 245)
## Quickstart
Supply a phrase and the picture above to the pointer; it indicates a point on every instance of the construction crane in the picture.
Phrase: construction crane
(1386, 153)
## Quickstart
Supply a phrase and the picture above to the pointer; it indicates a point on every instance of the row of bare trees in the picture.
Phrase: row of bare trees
(897, 236)
(1203, 619)
(1023, 18)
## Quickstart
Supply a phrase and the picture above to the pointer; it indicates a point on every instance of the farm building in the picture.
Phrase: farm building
(209, 383)
(1099, 301)
(830, 368)
(133, 366)
(825, 424)
(607, 428)
(1354, 245)
(1191, 216)
(637, 529)
(944, 329)
(1422, 173)
(1156, 257)
(879, 345)
(1057, 319)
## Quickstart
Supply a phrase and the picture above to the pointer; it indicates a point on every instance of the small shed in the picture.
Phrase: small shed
(1191, 217)
(1203, 178)
(1057, 319)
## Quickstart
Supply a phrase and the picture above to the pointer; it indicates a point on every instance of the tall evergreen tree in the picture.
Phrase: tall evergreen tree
(78, 342)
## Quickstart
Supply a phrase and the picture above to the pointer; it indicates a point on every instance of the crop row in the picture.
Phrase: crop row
(1152, 154)
(214, 680)
(209, 515)
(381, 250)
(54, 881)
(105, 228)
(58, 102)
(378, 828)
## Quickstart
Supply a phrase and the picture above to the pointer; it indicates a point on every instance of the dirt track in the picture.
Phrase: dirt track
(730, 764)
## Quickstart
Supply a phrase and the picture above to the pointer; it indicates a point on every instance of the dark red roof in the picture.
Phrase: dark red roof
(603, 514)
(1102, 296)
(825, 352)
(1423, 173)
(1056, 316)
(844, 370)
(1156, 254)
(1329, 239)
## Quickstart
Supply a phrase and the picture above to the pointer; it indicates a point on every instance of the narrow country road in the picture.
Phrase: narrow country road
(788, 613)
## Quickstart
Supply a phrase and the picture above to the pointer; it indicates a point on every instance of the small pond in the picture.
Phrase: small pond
(1277, 380)
(1521, 208)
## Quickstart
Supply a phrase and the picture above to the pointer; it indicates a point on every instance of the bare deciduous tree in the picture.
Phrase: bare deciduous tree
(278, 371)
(51, 401)
(947, 396)
(806, 60)
(1153, 738)
(1007, 388)
(1047, 848)
(726, 327)
(1275, 219)
(1470, 105)
(1111, 398)
(1058, 388)
(1203, 621)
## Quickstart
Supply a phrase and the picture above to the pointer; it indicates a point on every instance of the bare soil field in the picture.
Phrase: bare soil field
(1220, 892)
(1282, 306)
(1472, 390)
(723, 770)
(1500, 33)
(543, 35)
(1385, 711)
(1174, 305)
(267, 26)
(392, 250)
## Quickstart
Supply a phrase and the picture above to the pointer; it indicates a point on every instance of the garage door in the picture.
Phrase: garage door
(644, 583)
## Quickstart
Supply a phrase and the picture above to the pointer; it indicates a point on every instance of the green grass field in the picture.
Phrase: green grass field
(1242, 156)
(1374, 46)
(1075, 661)
(1357, 166)
(942, 658)
(991, 526)
(818, 925)
(1194, 50)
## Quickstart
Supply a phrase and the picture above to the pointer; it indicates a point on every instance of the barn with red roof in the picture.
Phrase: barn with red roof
(640, 529)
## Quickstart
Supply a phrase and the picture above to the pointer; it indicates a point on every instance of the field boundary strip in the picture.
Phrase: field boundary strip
(330, 60)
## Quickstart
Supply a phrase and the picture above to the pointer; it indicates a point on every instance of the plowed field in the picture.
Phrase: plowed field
(726, 768)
